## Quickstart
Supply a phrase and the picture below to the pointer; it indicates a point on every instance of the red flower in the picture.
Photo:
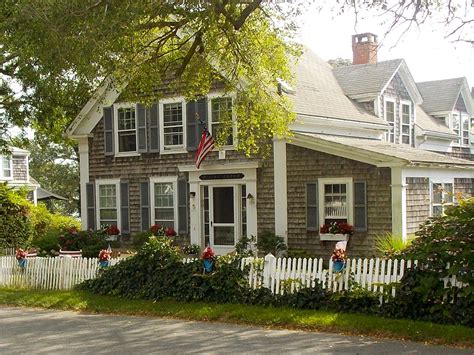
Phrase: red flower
(155, 228)
(170, 232)
(112, 230)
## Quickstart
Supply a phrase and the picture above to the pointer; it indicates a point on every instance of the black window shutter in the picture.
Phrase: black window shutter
(145, 205)
(194, 128)
(141, 128)
(312, 216)
(124, 208)
(109, 130)
(154, 138)
(360, 206)
(182, 206)
(90, 203)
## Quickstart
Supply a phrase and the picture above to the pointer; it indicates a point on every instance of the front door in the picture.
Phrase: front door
(220, 217)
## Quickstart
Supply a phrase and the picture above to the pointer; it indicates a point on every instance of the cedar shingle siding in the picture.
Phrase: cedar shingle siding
(305, 165)
(20, 172)
(464, 186)
(140, 168)
(417, 202)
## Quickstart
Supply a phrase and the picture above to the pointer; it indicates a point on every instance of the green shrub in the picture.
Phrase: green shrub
(390, 246)
(90, 242)
(299, 253)
(141, 238)
(269, 242)
(15, 218)
(47, 244)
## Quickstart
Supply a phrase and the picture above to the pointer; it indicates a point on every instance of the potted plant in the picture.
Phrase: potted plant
(339, 257)
(112, 233)
(208, 257)
(339, 231)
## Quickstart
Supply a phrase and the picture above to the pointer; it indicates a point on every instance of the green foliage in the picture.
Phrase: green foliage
(191, 249)
(269, 242)
(75, 46)
(244, 246)
(47, 244)
(15, 218)
(139, 239)
(299, 253)
(358, 300)
(389, 246)
(90, 242)
(44, 221)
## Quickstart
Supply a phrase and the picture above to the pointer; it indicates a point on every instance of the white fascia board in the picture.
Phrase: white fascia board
(407, 80)
(439, 135)
(341, 150)
(218, 167)
(364, 97)
(91, 113)
(439, 173)
(468, 99)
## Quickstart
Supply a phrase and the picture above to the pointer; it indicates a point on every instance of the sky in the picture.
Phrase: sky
(429, 55)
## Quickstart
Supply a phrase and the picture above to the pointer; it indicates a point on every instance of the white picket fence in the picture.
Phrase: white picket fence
(280, 275)
(48, 273)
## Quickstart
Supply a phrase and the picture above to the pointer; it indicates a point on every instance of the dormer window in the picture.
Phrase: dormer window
(405, 131)
(6, 168)
(460, 124)
(126, 134)
(390, 118)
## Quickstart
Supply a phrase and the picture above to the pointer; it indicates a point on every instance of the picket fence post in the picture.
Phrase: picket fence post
(269, 268)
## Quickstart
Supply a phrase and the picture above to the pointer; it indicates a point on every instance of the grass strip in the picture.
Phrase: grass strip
(346, 323)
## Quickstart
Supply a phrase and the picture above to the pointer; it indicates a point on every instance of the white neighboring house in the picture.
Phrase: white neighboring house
(14, 170)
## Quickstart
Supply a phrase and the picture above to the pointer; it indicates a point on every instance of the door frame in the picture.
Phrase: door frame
(249, 170)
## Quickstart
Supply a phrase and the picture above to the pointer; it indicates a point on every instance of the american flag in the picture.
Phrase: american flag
(206, 144)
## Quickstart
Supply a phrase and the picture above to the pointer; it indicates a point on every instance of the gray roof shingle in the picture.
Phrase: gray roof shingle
(429, 123)
(319, 94)
(366, 78)
(440, 95)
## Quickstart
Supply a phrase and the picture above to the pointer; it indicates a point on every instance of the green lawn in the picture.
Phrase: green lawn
(251, 315)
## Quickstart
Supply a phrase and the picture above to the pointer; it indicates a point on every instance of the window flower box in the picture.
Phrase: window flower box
(334, 237)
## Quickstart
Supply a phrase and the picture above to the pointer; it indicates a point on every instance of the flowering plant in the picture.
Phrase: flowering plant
(104, 255)
(337, 228)
(112, 230)
(339, 255)
(20, 254)
(191, 249)
(208, 253)
(162, 231)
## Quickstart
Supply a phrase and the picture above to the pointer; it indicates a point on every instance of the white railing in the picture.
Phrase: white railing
(280, 275)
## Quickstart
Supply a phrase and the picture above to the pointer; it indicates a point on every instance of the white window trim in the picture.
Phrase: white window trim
(164, 179)
(176, 149)
(390, 99)
(410, 125)
(115, 182)
(217, 95)
(442, 182)
(462, 116)
(6, 178)
(118, 106)
(350, 197)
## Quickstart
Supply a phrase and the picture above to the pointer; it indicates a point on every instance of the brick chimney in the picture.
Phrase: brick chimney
(364, 48)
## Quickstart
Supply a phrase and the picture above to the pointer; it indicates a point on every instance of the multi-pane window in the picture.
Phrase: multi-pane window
(108, 205)
(164, 202)
(390, 118)
(6, 168)
(465, 129)
(173, 125)
(335, 207)
(126, 129)
(457, 125)
(221, 119)
(441, 197)
(405, 126)
(243, 209)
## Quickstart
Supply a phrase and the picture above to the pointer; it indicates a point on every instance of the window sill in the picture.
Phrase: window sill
(333, 237)
(177, 151)
(127, 154)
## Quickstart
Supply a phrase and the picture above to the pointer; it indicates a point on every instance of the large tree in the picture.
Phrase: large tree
(54, 53)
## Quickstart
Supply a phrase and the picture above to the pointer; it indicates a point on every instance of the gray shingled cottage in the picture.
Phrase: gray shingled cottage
(370, 148)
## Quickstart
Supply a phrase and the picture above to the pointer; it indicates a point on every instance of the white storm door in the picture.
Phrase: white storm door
(223, 216)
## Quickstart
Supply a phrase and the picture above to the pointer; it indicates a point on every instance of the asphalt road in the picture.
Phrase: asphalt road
(55, 332)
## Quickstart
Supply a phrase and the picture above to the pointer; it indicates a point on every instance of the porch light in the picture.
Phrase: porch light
(250, 197)
(192, 194)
